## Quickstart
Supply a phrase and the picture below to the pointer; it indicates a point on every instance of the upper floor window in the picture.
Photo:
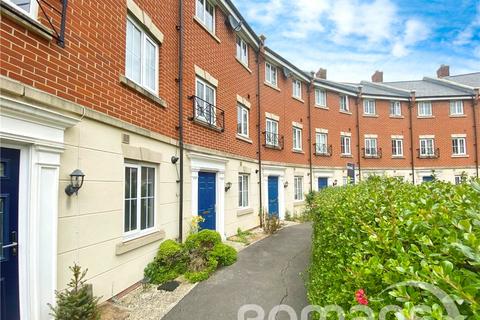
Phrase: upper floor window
(27, 6)
(271, 134)
(395, 108)
(270, 74)
(345, 147)
(205, 11)
(205, 102)
(139, 215)
(371, 148)
(369, 107)
(459, 146)
(297, 89)
(298, 188)
(297, 139)
(344, 103)
(142, 57)
(456, 107)
(397, 147)
(242, 51)
(425, 109)
(242, 120)
(243, 190)
(321, 140)
(320, 97)
(427, 147)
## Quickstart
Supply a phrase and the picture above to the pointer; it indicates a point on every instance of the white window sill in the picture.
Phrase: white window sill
(244, 211)
(425, 117)
(139, 89)
(345, 112)
(370, 115)
(137, 242)
(243, 138)
(243, 64)
(458, 116)
(268, 84)
(206, 29)
(298, 202)
(398, 157)
(298, 151)
(460, 156)
(322, 107)
(396, 117)
(298, 99)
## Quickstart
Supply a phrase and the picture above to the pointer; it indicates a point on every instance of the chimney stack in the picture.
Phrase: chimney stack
(321, 73)
(377, 76)
(443, 71)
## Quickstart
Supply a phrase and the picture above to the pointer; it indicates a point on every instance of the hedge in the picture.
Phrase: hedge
(384, 231)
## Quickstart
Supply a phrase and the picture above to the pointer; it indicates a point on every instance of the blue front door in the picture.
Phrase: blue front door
(9, 173)
(322, 183)
(207, 200)
(273, 196)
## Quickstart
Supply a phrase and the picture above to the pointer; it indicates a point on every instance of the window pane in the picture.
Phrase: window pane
(209, 16)
(150, 65)
(134, 49)
(200, 9)
(23, 4)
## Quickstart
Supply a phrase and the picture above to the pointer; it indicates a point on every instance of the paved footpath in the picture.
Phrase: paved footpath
(267, 273)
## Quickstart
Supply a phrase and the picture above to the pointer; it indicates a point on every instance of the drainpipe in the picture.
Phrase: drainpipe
(259, 137)
(180, 28)
(357, 103)
(411, 104)
(475, 129)
(309, 91)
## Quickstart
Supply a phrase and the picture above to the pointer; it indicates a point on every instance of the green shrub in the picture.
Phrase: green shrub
(201, 271)
(385, 231)
(224, 254)
(204, 240)
(170, 262)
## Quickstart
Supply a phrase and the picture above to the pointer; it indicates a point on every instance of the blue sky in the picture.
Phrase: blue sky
(406, 39)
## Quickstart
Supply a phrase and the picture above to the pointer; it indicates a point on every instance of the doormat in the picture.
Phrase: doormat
(169, 286)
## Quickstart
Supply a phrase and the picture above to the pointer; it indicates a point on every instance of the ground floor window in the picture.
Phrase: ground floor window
(243, 190)
(298, 188)
(139, 215)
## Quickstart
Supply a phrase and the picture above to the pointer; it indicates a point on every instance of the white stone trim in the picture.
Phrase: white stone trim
(206, 76)
(280, 173)
(298, 125)
(393, 136)
(459, 135)
(320, 130)
(427, 136)
(347, 134)
(145, 19)
(371, 136)
(244, 101)
(272, 116)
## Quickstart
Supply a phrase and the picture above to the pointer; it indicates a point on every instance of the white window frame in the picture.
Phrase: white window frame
(397, 147)
(371, 147)
(143, 74)
(321, 148)
(243, 190)
(138, 232)
(456, 108)
(395, 108)
(271, 74)
(458, 179)
(457, 149)
(369, 107)
(206, 84)
(242, 127)
(33, 13)
(297, 139)
(271, 124)
(427, 147)
(242, 51)
(425, 109)
(298, 188)
(296, 89)
(202, 15)
(344, 105)
(345, 148)
(321, 97)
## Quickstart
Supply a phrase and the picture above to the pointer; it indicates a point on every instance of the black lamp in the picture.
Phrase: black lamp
(285, 185)
(228, 185)
(76, 182)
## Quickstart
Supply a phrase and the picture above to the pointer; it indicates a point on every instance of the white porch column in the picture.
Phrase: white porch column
(194, 174)
(221, 204)
(281, 197)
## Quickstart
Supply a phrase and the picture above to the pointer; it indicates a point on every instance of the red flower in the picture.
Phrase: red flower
(361, 297)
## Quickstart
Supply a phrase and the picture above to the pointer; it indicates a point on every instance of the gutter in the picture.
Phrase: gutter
(259, 137)
(475, 127)
(180, 29)
(310, 160)
(357, 103)
(410, 115)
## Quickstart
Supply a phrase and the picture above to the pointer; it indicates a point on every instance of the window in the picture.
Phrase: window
(459, 146)
(271, 74)
(297, 139)
(427, 147)
(344, 103)
(397, 147)
(243, 190)
(271, 134)
(28, 6)
(205, 12)
(242, 51)
(242, 120)
(371, 147)
(321, 143)
(142, 57)
(298, 188)
(320, 97)
(425, 109)
(345, 145)
(456, 107)
(205, 102)
(297, 89)
(395, 108)
(139, 215)
(369, 107)
(459, 179)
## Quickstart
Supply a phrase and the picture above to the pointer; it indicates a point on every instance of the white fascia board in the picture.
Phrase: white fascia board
(271, 57)
(324, 86)
(245, 30)
(384, 98)
(445, 98)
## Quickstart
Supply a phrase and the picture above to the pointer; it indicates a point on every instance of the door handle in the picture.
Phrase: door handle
(11, 245)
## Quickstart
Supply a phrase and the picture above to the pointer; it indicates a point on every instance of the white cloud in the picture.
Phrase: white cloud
(306, 18)
(466, 35)
(265, 13)
(415, 32)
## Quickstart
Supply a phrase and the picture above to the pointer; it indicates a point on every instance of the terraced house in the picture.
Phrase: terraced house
(122, 120)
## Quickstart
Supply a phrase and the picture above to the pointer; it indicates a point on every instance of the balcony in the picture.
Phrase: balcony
(372, 153)
(323, 150)
(273, 141)
(207, 115)
(428, 153)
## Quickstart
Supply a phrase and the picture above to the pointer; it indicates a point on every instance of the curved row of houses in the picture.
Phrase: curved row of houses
(173, 109)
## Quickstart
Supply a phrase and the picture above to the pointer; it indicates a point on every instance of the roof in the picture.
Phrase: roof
(380, 89)
(351, 88)
(428, 88)
(470, 79)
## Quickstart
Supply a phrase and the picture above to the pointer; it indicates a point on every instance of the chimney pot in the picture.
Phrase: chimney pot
(377, 76)
(443, 71)
(321, 73)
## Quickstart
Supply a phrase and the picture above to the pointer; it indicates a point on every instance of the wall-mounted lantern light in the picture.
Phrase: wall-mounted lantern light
(228, 185)
(76, 182)
(285, 185)
(174, 159)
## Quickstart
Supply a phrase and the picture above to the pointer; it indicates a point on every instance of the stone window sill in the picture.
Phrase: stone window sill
(272, 86)
(139, 89)
(398, 157)
(298, 151)
(370, 115)
(127, 246)
(244, 211)
(460, 156)
(457, 116)
(298, 99)
(425, 117)
(26, 21)
(322, 107)
(243, 138)
(396, 117)
(243, 64)
(346, 156)
(345, 112)
(206, 29)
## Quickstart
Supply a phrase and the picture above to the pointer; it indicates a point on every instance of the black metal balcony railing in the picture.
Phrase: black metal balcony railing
(428, 153)
(273, 140)
(372, 153)
(323, 150)
(207, 114)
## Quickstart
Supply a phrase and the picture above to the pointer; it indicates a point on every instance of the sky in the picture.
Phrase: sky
(406, 39)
